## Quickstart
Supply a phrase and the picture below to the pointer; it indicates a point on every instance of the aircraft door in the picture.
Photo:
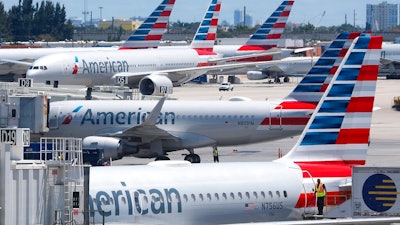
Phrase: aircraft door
(275, 118)
(53, 117)
(310, 200)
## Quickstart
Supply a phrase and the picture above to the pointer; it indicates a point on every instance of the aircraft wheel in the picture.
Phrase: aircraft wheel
(163, 157)
(193, 158)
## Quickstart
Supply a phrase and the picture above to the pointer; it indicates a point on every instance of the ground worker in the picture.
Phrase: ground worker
(320, 191)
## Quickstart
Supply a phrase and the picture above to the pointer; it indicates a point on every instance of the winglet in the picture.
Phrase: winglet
(150, 32)
(338, 131)
(154, 114)
(269, 34)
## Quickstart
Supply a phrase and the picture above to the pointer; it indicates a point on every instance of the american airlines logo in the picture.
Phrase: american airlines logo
(68, 118)
(96, 67)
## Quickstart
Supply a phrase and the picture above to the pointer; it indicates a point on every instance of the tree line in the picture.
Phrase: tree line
(40, 21)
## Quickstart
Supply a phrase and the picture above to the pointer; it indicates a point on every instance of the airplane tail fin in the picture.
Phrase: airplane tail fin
(338, 131)
(206, 33)
(314, 83)
(269, 34)
(150, 32)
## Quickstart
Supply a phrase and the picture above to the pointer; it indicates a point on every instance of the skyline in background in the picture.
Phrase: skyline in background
(317, 12)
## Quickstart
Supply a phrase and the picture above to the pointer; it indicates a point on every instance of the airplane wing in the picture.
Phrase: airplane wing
(254, 55)
(182, 75)
(388, 61)
(148, 130)
(23, 63)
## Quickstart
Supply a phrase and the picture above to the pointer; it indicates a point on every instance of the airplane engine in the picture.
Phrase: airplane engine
(113, 148)
(155, 84)
(256, 75)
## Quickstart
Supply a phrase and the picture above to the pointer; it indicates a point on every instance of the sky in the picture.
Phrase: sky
(303, 11)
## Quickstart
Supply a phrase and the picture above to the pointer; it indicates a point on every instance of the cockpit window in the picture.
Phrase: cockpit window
(38, 67)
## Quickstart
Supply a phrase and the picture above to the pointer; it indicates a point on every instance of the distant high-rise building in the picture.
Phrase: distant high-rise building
(382, 17)
(237, 17)
(240, 18)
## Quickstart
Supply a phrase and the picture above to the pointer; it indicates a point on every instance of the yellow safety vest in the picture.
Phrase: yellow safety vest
(320, 190)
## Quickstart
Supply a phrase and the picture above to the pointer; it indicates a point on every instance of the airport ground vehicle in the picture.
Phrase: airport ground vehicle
(226, 86)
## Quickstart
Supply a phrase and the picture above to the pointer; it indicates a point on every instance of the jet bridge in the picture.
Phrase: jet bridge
(46, 191)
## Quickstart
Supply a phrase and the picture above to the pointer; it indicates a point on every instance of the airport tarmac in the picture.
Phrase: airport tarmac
(385, 129)
(384, 149)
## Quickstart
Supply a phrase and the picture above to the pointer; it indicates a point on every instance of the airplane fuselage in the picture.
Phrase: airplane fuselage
(197, 124)
(99, 68)
(207, 193)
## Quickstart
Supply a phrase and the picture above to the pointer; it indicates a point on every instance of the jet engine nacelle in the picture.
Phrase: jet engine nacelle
(256, 75)
(112, 147)
(155, 84)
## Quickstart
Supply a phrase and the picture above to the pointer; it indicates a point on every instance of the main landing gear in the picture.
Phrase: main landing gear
(193, 158)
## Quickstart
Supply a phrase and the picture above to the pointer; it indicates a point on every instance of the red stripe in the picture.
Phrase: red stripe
(332, 198)
(323, 87)
(214, 22)
(343, 52)
(376, 42)
(256, 47)
(368, 72)
(290, 3)
(165, 13)
(217, 7)
(211, 36)
(353, 136)
(361, 104)
(279, 25)
(153, 37)
(285, 121)
(325, 169)
(160, 25)
(285, 13)
(353, 35)
(171, 2)
(274, 36)
(295, 105)
(254, 59)
(205, 51)
(333, 70)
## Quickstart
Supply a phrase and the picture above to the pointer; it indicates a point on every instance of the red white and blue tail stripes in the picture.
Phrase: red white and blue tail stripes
(207, 31)
(269, 34)
(150, 32)
(314, 83)
(339, 129)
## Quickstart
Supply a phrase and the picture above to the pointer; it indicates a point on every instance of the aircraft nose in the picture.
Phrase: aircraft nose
(37, 72)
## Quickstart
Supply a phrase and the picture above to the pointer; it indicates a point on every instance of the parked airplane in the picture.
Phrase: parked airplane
(15, 62)
(153, 71)
(151, 129)
(334, 140)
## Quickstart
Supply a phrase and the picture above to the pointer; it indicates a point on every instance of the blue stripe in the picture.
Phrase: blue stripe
(334, 106)
(348, 74)
(337, 44)
(319, 70)
(267, 26)
(276, 14)
(280, 8)
(155, 14)
(325, 122)
(313, 79)
(259, 36)
(151, 20)
(325, 62)
(355, 58)
(142, 31)
(206, 22)
(343, 35)
(209, 15)
(160, 8)
(212, 8)
(341, 90)
(362, 43)
(136, 38)
(76, 59)
(77, 109)
(263, 31)
(146, 26)
(331, 53)
(319, 138)
(272, 20)
(203, 30)
(200, 37)
(307, 88)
